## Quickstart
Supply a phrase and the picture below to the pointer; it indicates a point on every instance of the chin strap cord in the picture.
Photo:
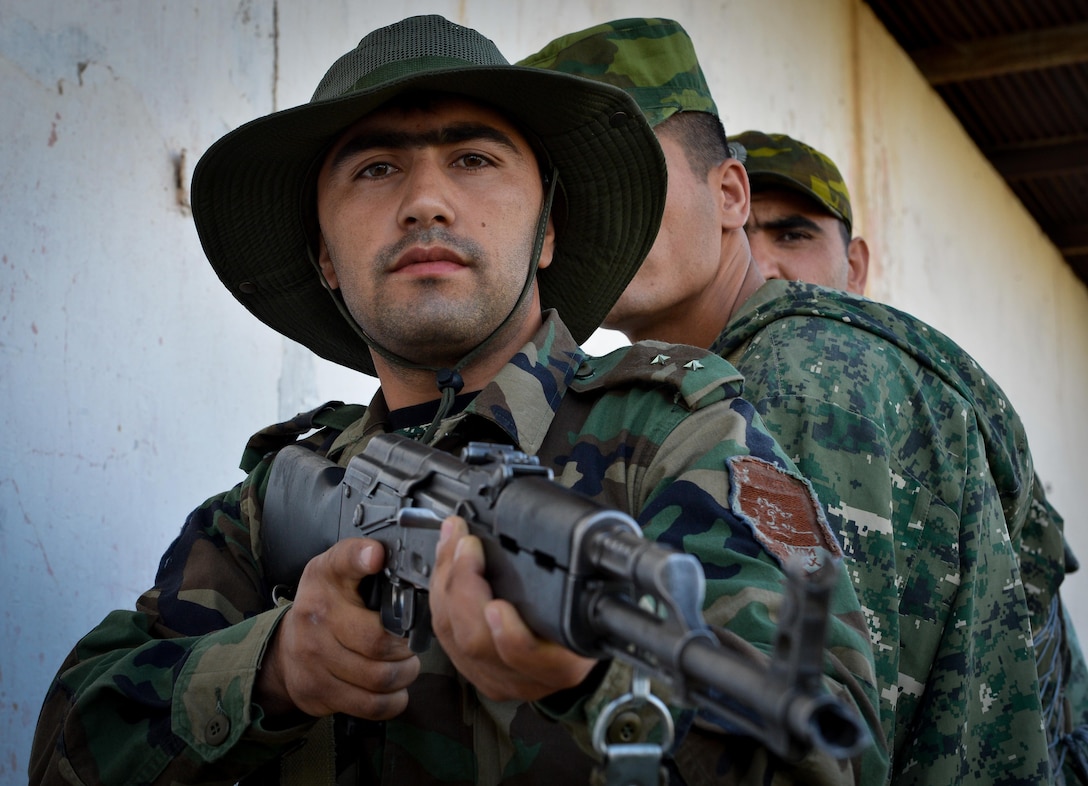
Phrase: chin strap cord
(449, 385)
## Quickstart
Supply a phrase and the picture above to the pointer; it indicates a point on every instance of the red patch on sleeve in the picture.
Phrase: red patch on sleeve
(782, 511)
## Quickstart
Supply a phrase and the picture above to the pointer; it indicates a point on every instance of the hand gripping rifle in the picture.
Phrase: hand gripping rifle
(578, 573)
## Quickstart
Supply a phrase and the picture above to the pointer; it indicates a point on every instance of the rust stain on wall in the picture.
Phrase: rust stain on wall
(53, 130)
(181, 182)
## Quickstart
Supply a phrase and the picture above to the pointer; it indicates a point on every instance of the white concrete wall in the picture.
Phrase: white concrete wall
(130, 379)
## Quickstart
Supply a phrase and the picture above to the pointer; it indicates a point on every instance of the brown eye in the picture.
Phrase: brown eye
(380, 169)
(473, 161)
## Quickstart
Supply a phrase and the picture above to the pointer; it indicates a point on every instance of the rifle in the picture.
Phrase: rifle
(579, 574)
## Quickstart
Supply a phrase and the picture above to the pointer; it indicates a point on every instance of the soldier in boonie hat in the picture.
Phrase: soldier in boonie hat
(780, 161)
(253, 189)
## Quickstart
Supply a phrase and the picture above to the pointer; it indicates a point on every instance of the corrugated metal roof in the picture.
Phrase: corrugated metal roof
(1015, 74)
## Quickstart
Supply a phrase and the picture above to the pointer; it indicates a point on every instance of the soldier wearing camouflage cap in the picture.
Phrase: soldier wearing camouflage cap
(655, 62)
(399, 223)
(801, 224)
(798, 196)
(780, 160)
(930, 505)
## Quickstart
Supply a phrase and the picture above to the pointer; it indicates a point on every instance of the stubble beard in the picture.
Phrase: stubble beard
(439, 323)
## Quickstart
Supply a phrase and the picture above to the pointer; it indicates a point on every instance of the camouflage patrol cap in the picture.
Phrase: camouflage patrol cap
(776, 160)
(652, 59)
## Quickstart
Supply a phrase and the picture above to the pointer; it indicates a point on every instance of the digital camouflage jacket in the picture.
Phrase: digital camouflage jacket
(163, 694)
(923, 467)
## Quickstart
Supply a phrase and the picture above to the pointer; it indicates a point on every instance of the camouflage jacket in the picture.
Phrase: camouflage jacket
(923, 467)
(163, 694)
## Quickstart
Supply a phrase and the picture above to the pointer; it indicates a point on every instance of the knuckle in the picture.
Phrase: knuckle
(382, 706)
(391, 677)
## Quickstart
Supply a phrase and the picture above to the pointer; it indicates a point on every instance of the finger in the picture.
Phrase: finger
(324, 697)
(453, 529)
(459, 592)
(355, 649)
(329, 612)
(373, 676)
(323, 674)
(468, 557)
(370, 706)
(373, 706)
(552, 664)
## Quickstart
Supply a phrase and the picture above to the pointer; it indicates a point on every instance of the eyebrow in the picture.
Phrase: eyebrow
(453, 134)
(792, 221)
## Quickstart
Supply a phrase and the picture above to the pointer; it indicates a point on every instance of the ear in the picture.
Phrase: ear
(325, 263)
(731, 180)
(547, 251)
(857, 257)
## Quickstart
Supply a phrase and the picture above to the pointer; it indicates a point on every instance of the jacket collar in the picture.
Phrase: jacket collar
(521, 401)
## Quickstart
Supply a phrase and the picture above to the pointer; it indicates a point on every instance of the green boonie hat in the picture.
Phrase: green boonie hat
(652, 59)
(779, 160)
(252, 189)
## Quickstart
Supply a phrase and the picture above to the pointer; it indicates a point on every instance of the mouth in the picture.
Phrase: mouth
(428, 261)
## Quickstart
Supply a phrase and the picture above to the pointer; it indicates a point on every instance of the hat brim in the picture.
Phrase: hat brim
(249, 198)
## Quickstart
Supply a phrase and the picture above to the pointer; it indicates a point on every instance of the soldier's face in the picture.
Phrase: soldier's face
(427, 212)
(680, 284)
(791, 238)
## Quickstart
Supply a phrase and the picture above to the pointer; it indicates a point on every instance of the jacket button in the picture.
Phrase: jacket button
(625, 729)
(217, 729)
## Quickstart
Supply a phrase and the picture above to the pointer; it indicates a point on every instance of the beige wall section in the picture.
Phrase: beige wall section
(131, 378)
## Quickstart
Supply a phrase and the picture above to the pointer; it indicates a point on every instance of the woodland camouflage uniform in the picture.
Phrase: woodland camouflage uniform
(162, 694)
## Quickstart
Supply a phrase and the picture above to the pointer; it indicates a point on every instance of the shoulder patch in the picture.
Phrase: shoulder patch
(697, 376)
(782, 511)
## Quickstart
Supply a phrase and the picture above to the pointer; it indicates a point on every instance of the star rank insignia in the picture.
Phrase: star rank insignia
(659, 360)
(694, 365)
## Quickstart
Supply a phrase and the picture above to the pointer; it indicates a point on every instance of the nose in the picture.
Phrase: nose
(426, 197)
(763, 254)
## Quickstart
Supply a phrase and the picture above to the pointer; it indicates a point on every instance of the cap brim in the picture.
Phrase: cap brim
(777, 180)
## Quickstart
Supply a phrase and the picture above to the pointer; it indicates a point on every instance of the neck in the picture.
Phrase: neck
(753, 279)
(405, 387)
(699, 321)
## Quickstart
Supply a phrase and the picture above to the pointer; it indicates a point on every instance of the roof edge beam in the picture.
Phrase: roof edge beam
(989, 57)
(1049, 160)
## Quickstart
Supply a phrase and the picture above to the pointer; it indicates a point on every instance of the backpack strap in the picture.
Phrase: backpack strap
(334, 415)
(340, 416)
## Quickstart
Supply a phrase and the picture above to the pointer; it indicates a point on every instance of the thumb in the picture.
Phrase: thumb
(353, 559)
(369, 557)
